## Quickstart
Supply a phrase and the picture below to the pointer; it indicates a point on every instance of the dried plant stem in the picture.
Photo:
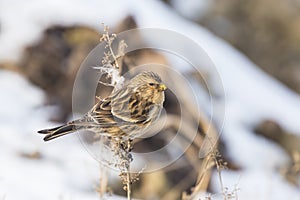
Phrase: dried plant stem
(220, 179)
(109, 39)
(112, 61)
(111, 51)
(102, 181)
(122, 151)
(128, 182)
(121, 147)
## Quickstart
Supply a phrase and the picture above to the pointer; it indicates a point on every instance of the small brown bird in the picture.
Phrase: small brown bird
(126, 113)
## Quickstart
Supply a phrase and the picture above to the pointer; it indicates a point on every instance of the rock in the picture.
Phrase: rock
(267, 32)
(290, 142)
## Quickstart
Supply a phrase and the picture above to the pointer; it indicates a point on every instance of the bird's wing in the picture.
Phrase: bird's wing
(101, 114)
(128, 106)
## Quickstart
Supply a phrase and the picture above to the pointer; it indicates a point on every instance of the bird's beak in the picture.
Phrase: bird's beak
(162, 87)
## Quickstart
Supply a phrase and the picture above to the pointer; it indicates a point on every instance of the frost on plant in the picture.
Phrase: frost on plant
(117, 151)
(110, 66)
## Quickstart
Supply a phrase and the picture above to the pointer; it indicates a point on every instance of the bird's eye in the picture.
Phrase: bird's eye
(151, 84)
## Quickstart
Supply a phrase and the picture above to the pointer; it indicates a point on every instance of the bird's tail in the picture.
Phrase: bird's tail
(59, 131)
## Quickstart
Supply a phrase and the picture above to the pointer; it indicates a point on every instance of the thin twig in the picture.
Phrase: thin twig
(102, 189)
(128, 182)
(128, 185)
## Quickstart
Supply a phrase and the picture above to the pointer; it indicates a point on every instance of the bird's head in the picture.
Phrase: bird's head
(150, 86)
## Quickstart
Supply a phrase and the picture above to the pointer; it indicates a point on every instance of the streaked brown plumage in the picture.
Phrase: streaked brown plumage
(125, 113)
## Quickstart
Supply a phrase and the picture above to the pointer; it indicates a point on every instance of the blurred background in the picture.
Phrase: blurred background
(255, 47)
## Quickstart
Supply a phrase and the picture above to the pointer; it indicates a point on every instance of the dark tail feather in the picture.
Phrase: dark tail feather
(58, 131)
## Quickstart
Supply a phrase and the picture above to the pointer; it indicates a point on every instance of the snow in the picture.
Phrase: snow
(192, 9)
(23, 21)
(67, 171)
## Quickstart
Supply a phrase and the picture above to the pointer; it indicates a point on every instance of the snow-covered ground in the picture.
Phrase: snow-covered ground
(67, 171)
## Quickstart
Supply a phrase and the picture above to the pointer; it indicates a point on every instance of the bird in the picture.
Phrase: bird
(124, 114)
